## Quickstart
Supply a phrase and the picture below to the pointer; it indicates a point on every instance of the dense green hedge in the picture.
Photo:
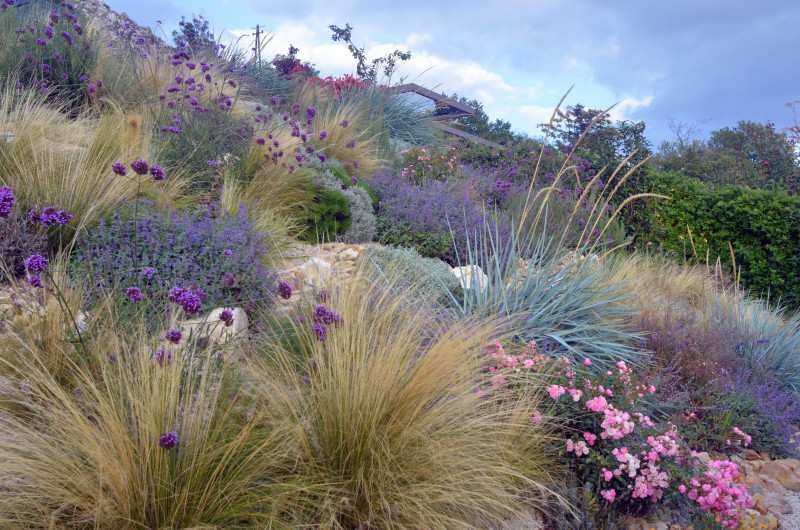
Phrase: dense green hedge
(763, 227)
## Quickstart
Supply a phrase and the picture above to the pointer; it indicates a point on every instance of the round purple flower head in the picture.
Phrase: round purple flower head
(226, 317)
(323, 135)
(99, 83)
(344, 123)
(119, 168)
(157, 172)
(227, 252)
(140, 166)
(163, 357)
(173, 335)
(134, 293)
(260, 141)
(35, 281)
(6, 201)
(355, 164)
(190, 299)
(36, 263)
(229, 280)
(354, 180)
(68, 37)
(322, 157)
(168, 440)
(285, 290)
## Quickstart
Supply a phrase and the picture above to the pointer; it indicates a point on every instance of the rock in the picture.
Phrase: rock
(465, 274)
(316, 272)
(749, 454)
(704, 458)
(760, 504)
(780, 471)
(348, 254)
(777, 503)
(215, 330)
(752, 519)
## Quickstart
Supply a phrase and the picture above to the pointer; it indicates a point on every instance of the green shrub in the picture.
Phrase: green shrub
(363, 223)
(762, 226)
(328, 217)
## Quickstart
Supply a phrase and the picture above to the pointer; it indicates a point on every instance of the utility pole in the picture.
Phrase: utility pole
(258, 44)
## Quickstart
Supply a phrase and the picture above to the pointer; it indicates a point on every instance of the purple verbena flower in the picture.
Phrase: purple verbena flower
(285, 290)
(36, 263)
(322, 157)
(320, 330)
(119, 168)
(355, 164)
(168, 440)
(148, 272)
(140, 166)
(68, 37)
(173, 335)
(134, 293)
(226, 316)
(354, 180)
(323, 135)
(344, 123)
(163, 357)
(260, 141)
(157, 172)
(35, 281)
(6, 201)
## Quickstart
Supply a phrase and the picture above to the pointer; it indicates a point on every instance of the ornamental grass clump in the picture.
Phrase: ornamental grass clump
(149, 439)
(387, 426)
(221, 255)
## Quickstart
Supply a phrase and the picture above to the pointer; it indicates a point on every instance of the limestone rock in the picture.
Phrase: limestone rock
(214, 329)
(777, 503)
(782, 472)
(316, 271)
(348, 254)
(471, 276)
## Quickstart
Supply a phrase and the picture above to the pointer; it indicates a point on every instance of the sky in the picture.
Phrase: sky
(706, 62)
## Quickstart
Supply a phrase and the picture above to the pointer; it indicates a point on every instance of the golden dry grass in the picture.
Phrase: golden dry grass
(387, 426)
(50, 160)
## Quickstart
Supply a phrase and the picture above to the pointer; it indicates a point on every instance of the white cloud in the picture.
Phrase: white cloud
(624, 107)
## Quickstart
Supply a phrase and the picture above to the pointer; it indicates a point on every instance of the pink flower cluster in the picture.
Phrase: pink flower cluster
(645, 465)
(716, 490)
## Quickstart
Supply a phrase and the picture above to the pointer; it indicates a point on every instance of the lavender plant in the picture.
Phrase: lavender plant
(218, 253)
(434, 218)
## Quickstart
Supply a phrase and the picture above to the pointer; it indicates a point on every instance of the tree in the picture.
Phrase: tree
(570, 124)
(193, 33)
(368, 72)
(290, 66)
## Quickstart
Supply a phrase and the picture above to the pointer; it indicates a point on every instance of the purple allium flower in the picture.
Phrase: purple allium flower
(35, 281)
(140, 166)
(157, 172)
(68, 37)
(322, 157)
(285, 290)
(134, 293)
(119, 168)
(148, 272)
(344, 123)
(320, 330)
(354, 180)
(226, 317)
(164, 357)
(168, 440)
(36, 263)
(260, 141)
(173, 335)
(355, 164)
(6, 201)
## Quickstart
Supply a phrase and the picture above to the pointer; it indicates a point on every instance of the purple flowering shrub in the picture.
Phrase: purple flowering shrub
(434, 218)
(214, 252)
(18, 240)
(49, 50)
